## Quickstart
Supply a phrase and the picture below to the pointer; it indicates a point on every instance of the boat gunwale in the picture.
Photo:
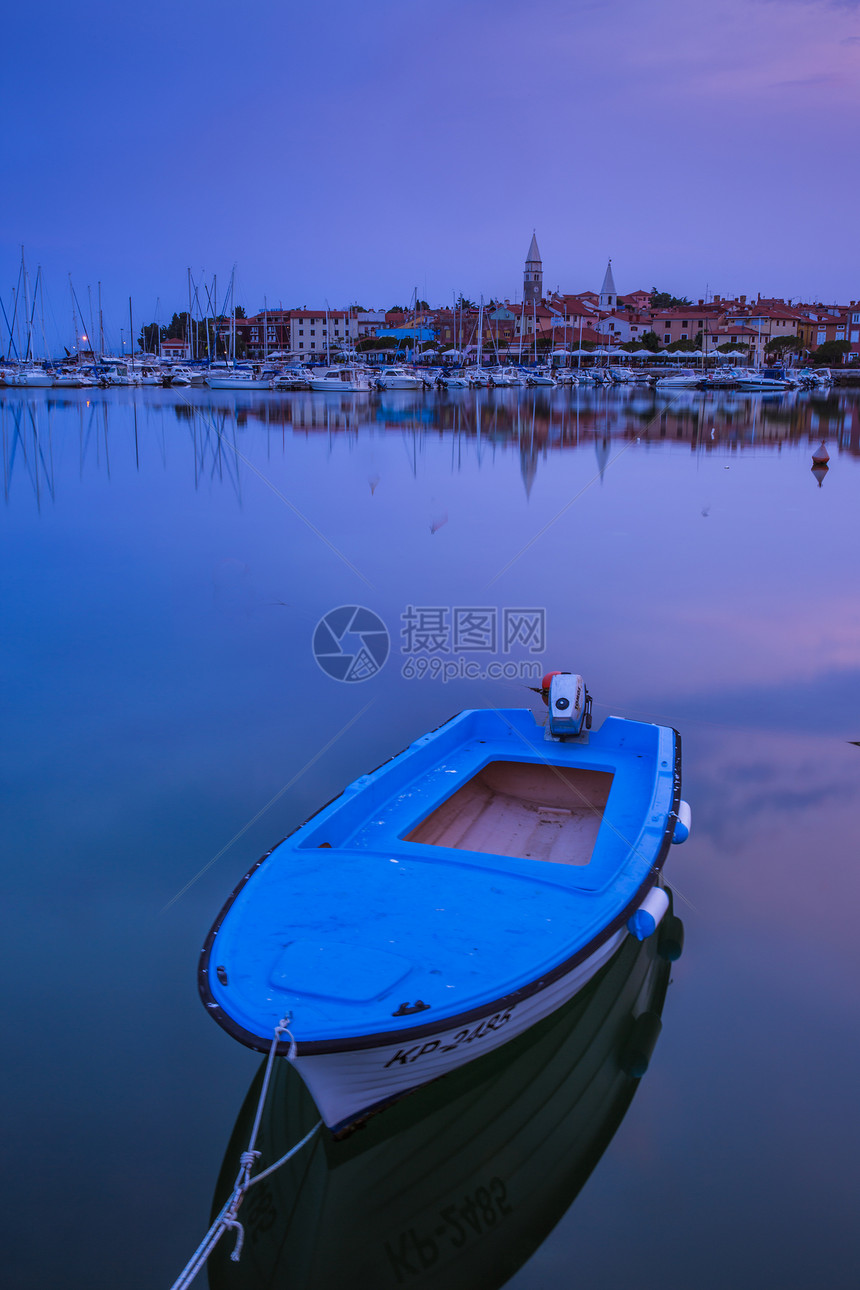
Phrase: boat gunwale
(381, 1039)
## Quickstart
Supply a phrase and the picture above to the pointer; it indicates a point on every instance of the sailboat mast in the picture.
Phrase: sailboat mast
(189, 338)
(74, 314)
(40, 280)
(27, 317)
(480, 331)
(101, 325)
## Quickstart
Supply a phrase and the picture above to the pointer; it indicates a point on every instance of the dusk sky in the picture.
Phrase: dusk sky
(354, 153)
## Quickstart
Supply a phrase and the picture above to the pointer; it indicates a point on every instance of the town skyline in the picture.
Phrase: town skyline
(95, 314)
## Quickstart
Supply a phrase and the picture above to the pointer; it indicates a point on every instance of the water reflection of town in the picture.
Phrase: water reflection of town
(533, 422)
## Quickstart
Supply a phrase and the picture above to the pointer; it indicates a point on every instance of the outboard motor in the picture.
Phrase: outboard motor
(569, 704)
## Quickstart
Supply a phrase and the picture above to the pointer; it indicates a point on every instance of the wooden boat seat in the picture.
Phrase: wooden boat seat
(522, 809)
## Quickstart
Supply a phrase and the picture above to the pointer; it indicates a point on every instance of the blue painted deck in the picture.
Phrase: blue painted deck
(341, 934)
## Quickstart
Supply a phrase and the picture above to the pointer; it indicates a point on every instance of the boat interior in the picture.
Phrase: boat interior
(522, 809)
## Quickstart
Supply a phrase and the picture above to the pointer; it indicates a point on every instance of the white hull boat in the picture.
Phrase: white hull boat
(451, 899)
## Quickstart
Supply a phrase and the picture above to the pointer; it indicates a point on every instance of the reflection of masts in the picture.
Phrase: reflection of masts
(38, 465)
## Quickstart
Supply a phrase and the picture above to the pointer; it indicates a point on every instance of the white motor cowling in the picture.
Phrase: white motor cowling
(569, 705)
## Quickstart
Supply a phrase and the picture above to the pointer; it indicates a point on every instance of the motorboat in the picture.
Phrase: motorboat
(509, 1139)
(507, 377)
(238, 378)
(397, 378)
(685, 379)
(449, 900)
(294, 377)
(539, 376)
(761, 382)
(453, 380)
(30, 376)
(344, 379)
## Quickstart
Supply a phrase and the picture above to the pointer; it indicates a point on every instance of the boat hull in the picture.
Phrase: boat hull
(228, 383)
(349, 1085)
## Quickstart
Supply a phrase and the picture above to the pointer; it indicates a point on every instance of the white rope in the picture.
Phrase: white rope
(227, 1219)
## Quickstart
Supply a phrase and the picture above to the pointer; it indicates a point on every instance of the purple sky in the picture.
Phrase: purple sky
(355, 152)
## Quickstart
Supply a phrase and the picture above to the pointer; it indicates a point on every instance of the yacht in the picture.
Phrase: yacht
(540, 376)
(344, 379)
(238, 378)
(758, 381)
(30, 375)
(397, 378)
(294, 377)
(507, 376)
(685, 379)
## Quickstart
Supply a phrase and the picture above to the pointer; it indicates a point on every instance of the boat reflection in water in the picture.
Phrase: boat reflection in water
(459, 1183)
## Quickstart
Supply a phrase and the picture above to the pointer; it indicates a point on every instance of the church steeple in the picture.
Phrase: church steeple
(608, 294)
(533, 274)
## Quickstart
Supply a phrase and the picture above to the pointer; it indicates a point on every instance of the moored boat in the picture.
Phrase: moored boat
(344, 379)
(508, 1141)
(450, 900)
(397, 378)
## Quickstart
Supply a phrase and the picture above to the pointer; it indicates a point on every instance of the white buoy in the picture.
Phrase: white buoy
(647, 918)
(683, 823)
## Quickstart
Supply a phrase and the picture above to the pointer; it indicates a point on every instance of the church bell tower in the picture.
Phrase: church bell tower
(533, 275)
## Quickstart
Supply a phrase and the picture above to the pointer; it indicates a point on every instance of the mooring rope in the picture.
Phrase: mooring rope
(228, 1217)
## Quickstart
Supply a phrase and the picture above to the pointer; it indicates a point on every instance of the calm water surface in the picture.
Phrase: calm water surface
(166, 557)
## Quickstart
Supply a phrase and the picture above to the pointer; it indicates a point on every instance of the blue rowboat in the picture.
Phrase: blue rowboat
(462, 1181)
(446, 902)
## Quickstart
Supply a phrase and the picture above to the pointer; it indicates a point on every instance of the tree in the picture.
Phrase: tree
(681, 347)
(421, 304)
(832, 351)
(783, 344)
(177, 328)
(664, 300)
(650, 340)
(239, 312)
(150, 335)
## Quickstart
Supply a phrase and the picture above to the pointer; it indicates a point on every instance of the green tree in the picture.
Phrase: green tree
(783, 345)
(650, 340)
(665, 300)
(832, 351)
(177, 328)
(239, 312)
(148, 339)
(421, 304)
